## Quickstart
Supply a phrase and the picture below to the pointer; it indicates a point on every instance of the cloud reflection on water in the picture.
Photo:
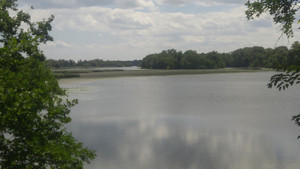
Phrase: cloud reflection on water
(171, 143)
(222, 121)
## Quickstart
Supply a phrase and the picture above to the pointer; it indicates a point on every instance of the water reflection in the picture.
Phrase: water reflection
(226, 121)
(170, 143)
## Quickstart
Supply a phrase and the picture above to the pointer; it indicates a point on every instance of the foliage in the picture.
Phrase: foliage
(291, 74)
(33, 108)
(282, 11)
(255, 57)
(172, 59)
(291, 68)
(61, 63)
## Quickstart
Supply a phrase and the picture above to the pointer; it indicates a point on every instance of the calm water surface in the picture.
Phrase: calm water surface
(218, 121)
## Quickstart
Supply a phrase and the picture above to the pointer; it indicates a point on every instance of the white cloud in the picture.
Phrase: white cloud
(198, 2)
(131, 33)
(59, 44)
(219, 2)
(174, 2)
(149, 4)
(124, 4)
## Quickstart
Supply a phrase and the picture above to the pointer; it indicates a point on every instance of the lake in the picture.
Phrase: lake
(212, 121)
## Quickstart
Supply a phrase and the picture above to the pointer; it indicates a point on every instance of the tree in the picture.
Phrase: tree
(283, 12)
(33, 108)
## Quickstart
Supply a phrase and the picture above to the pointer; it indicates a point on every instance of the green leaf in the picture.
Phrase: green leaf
(32, 109)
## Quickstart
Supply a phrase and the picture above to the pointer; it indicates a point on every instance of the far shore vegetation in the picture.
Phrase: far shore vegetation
(173, 62)
(147, 72)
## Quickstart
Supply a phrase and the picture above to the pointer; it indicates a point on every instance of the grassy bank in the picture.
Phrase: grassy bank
(145, 72)
(65, 73)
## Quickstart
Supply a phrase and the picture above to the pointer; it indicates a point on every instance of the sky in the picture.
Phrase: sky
(132, 29)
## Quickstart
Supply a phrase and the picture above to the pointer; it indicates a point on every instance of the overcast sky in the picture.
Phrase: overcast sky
(132, 29)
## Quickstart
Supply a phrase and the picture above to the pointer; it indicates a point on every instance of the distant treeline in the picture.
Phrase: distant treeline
(61, 63)
(245, 57)
(171, 59)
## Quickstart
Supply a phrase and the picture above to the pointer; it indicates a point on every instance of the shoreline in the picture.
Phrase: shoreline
(86, 74)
